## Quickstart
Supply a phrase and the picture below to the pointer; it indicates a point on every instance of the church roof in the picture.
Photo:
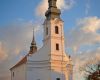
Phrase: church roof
(22, 61)
(33, 49)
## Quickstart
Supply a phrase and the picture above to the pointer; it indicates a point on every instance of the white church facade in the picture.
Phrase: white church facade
(50, 62)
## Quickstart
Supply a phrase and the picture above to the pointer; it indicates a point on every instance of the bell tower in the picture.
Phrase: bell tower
(54, 42)
(53, 29)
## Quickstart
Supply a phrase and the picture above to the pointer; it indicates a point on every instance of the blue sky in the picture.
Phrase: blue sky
(81, 27)
(11, 10)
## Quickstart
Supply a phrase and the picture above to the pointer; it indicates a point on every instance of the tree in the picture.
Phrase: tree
(94, 75)
(92, 71)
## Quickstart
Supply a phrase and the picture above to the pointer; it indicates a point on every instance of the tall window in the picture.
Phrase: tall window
(57, 78)
(13, 74)
(57, 46)
(56, 30)
(46, 30)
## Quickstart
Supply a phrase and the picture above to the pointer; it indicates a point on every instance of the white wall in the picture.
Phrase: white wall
(45, 74)
(38, 74)
(42, 54)
(19, 72)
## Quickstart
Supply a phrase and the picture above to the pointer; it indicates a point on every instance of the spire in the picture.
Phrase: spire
(33, 47)
(53, 11)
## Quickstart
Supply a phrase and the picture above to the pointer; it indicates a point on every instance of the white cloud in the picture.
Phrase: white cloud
(90, 24)
(61, 4)
(65, 4)
(84, 38)
(16, 40)
(3, 54)
(18, 36)
(86, 33)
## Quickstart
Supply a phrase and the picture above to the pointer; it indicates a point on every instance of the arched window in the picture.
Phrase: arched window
(56, 30)
(46, 30)
(57, 46)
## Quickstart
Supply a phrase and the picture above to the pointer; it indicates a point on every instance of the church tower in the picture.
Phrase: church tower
(54, 42)
(50, 62)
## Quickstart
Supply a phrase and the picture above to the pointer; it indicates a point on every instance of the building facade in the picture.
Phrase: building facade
(50, 62)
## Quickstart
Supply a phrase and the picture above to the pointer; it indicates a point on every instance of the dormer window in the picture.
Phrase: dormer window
(56, 30)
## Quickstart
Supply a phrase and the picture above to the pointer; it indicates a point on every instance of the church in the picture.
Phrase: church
(50, 62)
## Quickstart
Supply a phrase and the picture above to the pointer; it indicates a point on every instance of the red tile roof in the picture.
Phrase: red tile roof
(22, 61)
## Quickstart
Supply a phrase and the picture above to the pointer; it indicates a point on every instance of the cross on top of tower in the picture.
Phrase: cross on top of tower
(53, 11)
